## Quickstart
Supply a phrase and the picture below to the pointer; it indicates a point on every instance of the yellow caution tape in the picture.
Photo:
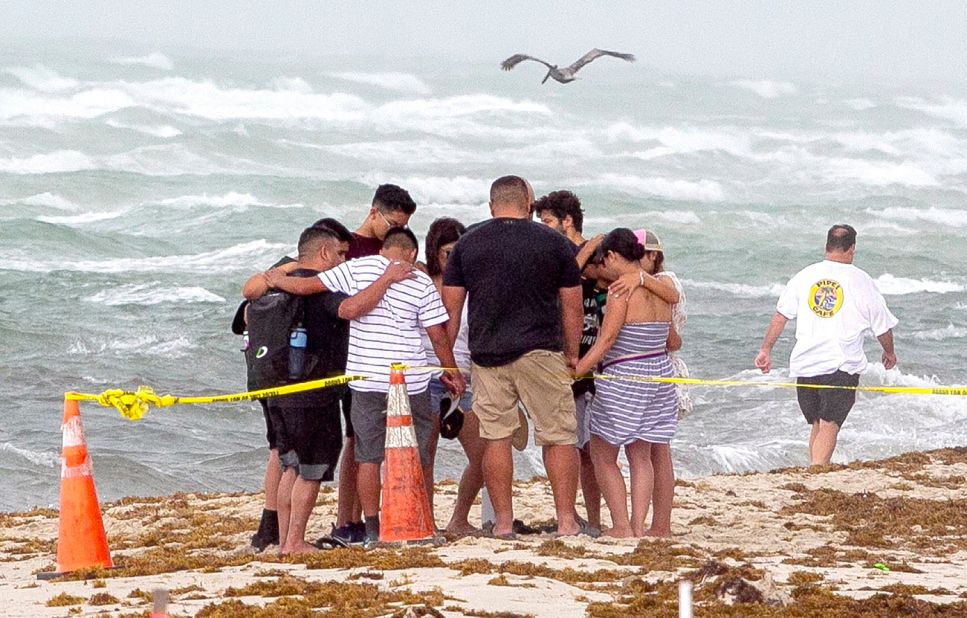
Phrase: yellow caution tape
(893, 390)
(133, 406)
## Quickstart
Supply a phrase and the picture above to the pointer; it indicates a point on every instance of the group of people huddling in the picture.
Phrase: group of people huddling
(517, 316)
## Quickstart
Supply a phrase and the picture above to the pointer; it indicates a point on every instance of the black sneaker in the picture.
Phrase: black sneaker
(359, 532)
(343, 534)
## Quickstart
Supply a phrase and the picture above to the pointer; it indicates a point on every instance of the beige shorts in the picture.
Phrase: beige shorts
(540, 380)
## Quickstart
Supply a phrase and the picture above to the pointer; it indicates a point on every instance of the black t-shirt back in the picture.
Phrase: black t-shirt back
(328, 345)
(512, 270)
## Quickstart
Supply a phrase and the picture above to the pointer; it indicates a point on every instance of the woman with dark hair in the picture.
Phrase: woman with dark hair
(440, 240)
(632, 342)
(665, 284)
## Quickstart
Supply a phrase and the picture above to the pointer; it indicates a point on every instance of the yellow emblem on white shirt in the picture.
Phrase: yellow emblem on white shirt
(826, 298)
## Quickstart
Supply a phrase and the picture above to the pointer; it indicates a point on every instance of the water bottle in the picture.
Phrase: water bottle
(298, 338)
(245, 341)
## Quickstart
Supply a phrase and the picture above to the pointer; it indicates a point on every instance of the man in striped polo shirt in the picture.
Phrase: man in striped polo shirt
(388, 334)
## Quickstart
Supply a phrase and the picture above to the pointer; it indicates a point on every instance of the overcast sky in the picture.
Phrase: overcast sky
(877, 40)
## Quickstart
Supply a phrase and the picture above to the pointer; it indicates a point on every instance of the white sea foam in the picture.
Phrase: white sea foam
(879, 173)
(154, 60)
(79, 219)
(161, 130)
(89, 103)
(947, 217)
(46, 199)
(153, 293)
(457, 106)
(737, 289)
(676, 140)
(399, 82)
(38, 458)
(638, 219)
(673, 189)
(767, 89)
(55, 162)
(442, 189)
(889, 285)
(41, 78)
(941, 334)
(231, 199)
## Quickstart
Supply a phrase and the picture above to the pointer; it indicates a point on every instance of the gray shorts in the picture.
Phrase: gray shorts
(369, 423)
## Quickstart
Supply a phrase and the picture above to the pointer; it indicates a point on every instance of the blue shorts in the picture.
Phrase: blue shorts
(438, 391)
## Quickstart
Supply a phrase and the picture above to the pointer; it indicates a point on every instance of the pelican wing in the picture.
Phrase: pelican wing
(517, 59)
(597, 53)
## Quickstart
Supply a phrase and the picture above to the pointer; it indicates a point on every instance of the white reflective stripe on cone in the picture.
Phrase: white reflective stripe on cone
(397, 401)
(73, 432)
(401, 437)
(71, 472)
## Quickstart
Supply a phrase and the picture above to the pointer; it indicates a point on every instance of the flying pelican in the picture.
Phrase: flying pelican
(566, 74)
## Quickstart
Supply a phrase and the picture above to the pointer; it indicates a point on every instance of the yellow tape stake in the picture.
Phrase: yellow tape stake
(133, 406)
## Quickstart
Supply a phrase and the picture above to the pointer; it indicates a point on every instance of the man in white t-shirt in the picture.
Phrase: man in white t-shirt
(834, 304)
(390, 333)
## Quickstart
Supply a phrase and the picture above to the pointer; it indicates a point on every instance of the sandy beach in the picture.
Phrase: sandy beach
(793, 542)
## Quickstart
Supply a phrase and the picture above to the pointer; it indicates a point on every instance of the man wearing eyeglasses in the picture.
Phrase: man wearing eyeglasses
(392, 207)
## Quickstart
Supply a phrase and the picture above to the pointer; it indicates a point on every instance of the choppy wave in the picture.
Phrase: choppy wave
(941, 334)
(42, 78)
(400, 82)
(148, 345)
(941, 216)
(890, 285)
(80, 219)
(767, 89)
(859, 105)
(154, 293)
(162, 130)
(242, 257)
(226, 200)
(154, 60)
(673, 189)
(442, 189)
(948, 108)
(46, 199)
(38, 458)
(58, 161)
(738, 289)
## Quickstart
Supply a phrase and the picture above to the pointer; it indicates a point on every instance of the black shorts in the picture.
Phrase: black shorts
(269, 431)
(828, 404)
(309, 439)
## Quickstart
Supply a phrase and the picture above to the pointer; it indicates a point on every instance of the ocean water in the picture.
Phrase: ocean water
(138, 191)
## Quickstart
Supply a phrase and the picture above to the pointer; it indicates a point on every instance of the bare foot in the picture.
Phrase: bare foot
(461, 528)
(302, 548)
(659, 533)
(618, 533)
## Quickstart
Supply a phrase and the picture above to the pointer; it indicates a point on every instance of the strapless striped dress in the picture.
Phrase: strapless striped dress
(625, 411)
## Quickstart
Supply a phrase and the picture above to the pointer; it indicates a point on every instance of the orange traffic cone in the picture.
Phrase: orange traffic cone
(405, 513)
(81, 542)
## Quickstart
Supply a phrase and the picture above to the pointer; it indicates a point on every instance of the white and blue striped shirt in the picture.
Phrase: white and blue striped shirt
(390, 333)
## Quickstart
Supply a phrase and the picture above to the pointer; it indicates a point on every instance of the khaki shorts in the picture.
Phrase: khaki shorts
(539, 379)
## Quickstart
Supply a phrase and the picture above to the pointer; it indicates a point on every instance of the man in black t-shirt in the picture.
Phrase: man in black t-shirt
(524, 319)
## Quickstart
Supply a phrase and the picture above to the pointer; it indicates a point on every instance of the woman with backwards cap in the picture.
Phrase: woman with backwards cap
(632, 342)
(666, 285)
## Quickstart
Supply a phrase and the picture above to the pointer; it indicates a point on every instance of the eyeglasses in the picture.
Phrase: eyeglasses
(391, 224)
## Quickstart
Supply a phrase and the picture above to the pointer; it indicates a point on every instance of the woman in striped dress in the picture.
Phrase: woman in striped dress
(628, 412)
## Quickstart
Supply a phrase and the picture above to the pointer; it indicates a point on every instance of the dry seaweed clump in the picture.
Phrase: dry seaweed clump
(63, 599)
(336, 598)
(872, 521)
(383, 559)
(103, 598)
(659, 556)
